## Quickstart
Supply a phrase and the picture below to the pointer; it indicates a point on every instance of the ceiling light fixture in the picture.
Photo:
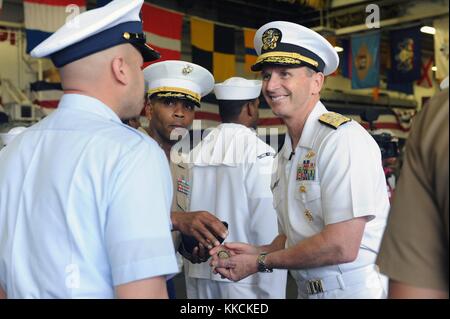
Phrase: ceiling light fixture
(428, 30)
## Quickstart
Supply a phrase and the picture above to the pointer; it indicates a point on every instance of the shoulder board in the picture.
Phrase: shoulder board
(266, 154)
(333, 120)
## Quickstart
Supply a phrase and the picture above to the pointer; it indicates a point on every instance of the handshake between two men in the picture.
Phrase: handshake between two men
(234, 261)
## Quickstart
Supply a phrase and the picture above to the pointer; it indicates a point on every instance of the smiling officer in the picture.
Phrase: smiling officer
(329, 189)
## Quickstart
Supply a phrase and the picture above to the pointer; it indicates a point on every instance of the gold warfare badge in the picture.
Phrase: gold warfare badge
(271, 38)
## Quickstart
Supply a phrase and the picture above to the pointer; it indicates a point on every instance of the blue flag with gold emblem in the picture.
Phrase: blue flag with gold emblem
(405, 87)
(346, 61)
(365, 60)
(405, 55)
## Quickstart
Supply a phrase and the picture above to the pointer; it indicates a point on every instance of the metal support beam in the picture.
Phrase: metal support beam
(12, 24)
(390, 22)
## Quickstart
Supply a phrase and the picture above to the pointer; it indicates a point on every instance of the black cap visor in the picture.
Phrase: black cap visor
(148, 54)
(138, 40)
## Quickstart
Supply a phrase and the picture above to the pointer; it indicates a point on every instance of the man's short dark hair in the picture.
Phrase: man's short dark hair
(229, 110)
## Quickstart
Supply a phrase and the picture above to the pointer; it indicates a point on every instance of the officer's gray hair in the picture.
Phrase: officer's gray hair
(309, 72)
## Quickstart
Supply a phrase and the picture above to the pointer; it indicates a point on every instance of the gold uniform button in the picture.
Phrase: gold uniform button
(126, 35)
(302, 189)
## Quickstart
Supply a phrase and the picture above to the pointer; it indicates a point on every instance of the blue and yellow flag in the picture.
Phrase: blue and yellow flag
(365, 60)
(250, 53)
(213, 48)
(405, 55)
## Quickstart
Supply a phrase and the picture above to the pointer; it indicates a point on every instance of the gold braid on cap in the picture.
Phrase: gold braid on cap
(167, 91)
(285, 57)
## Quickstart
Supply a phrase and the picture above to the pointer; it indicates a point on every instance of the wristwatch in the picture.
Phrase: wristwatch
(261, 263)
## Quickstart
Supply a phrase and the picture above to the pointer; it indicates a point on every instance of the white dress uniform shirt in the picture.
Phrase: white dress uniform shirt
(230, 177)
(333, 175)
(81, 209)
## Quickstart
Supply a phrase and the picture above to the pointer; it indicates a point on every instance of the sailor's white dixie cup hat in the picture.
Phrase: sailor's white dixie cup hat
(178, 79)
(237, 88)
(289, 44)
(95, 30)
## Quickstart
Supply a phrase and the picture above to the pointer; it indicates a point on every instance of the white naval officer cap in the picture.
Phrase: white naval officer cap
(237, 88)
(178, 79)
(95, 30)
(290, 44)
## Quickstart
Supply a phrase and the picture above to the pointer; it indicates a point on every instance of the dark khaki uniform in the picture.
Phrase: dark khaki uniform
(415, 247)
